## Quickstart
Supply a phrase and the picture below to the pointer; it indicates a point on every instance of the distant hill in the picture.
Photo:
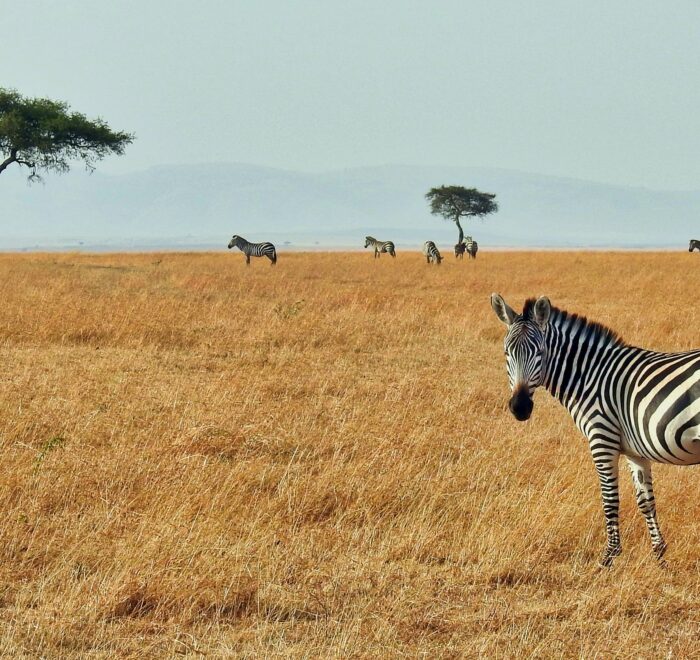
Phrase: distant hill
(202, 205)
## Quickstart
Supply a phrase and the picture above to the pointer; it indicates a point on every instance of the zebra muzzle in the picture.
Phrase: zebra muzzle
(521, 404)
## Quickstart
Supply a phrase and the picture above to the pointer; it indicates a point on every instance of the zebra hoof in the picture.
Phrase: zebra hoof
(659, 551)
(606, 561)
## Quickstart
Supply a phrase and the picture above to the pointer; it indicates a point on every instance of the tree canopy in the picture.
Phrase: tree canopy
(44, 135)
(456, 202)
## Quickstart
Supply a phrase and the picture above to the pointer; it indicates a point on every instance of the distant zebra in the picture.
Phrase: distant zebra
(694, 244)
(471, 247)
(460, 248)
(431, 252)
(626, 400)
(253, 249)
(380, 246)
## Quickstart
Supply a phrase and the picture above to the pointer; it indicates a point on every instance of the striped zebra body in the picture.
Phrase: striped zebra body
(629, 401)
(471, 247)
(380, 246)
(694, 244)
(254, 249)
(432, 254)
(460, 249)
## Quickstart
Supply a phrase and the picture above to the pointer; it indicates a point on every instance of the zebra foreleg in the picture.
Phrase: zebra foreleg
(606, 466)
(247, 260)
(641, 478)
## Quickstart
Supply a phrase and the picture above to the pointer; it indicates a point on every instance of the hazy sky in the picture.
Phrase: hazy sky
(603, 90)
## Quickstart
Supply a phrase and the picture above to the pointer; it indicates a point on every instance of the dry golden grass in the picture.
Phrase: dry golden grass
(316, 460)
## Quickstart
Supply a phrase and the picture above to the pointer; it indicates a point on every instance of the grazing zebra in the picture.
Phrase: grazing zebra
(460, 249)
(626, 400)
(380, 246)
(431, 252)
(254, 249)
(471, 247)
(694, 244)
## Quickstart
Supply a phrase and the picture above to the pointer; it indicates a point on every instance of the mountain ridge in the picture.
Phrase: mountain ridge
(206, 203)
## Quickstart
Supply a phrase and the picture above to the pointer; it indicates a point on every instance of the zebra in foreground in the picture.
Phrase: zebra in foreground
(380, 246)
(693, 245)
(431, 252)
(626, 400)
(471, 247)
(254, 249)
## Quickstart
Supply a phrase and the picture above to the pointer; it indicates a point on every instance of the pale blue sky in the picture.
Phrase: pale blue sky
(600, 90)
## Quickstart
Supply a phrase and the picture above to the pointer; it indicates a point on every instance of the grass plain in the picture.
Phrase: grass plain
(316, 460)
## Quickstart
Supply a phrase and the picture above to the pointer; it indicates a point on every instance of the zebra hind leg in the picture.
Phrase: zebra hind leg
(644, 491)
(607, 467)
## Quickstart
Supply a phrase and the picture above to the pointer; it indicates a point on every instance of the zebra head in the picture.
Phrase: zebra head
(234, 241)
(368, 241)
(525, 350)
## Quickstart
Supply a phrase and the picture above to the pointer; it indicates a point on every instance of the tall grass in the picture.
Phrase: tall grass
(316, 460)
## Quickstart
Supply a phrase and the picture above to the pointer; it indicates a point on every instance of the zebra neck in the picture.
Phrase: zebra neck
(576, 354)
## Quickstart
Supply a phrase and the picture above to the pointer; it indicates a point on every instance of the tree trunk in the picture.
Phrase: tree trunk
(461, 233)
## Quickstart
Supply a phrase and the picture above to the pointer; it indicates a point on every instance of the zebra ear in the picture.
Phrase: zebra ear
(542, 310)
(503, 311)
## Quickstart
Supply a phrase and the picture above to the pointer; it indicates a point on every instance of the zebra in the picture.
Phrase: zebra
(471, 247)
(380, 246)
(431, 252)
(627, 401)
(694, 244)
(254, 249)
(460, 249)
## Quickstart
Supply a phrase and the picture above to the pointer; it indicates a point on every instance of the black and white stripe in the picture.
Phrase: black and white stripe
(471, 247)
(254, 249)
(460, 249)
(694, 244)
(380, 246)
(432, 254)
(627, 401)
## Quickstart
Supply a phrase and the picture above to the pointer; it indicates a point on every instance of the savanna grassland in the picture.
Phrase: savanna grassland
(316, 460)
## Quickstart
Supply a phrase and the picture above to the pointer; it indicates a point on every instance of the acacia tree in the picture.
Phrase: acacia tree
(456, 202)
(44, 136)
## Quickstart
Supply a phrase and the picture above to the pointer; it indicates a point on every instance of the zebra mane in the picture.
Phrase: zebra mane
(594, 329)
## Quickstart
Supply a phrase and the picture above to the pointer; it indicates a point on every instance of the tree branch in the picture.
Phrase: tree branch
(12, 158)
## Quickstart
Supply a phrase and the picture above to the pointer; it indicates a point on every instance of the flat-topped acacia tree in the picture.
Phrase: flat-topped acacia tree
(45, 136)
(456, 202)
